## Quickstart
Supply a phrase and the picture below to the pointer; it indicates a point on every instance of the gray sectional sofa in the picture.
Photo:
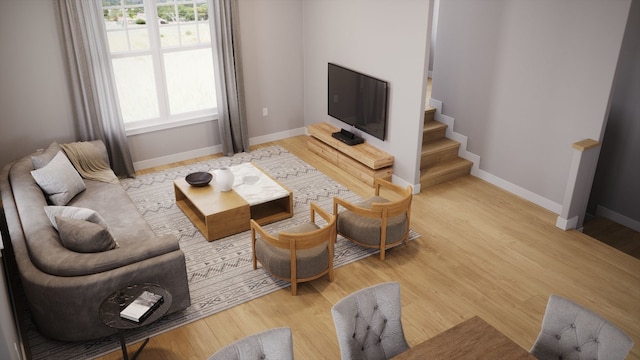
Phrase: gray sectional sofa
(64, 288)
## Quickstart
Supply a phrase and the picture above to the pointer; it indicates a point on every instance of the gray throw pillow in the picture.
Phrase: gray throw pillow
(41, 158)
(84, 236)
(73, 212)
(59, 180)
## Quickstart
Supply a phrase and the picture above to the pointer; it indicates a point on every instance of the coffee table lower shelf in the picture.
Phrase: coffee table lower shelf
(235, 220)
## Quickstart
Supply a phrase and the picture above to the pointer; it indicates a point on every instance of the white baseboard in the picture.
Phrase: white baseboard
(566, 224)
(277, 136)
(210, 150)
(619, 218)
(484, 175)
(402, 182)
(164, 160)
(539, 200)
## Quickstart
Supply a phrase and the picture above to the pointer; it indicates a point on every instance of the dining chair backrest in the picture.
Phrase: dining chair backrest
(570, 330)
(368, 323)
(274, 344)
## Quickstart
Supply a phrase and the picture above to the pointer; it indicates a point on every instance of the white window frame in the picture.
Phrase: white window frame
(156, 51)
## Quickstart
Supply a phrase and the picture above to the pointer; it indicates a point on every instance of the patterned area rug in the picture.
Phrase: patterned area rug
(220, 273)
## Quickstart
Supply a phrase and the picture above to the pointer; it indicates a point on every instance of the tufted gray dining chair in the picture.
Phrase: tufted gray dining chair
(275, 344)
(570, 331)
(368, 323)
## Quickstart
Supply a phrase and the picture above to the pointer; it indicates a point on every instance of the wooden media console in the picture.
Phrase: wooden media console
(364, 161)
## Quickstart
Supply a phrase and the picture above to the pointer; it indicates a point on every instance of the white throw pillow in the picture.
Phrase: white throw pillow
(59, 180)
(73, 212)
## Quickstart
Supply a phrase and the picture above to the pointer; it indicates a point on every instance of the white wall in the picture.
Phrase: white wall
(36, 103)
(385, 39)
(526, 79)
(271, 38)
(34, 99)
(271, 48)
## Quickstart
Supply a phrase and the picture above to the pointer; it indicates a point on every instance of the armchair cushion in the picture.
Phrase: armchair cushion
(278, 261)
(367, 230)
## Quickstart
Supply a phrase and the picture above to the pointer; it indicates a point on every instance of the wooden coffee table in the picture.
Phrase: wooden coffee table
(255, 195)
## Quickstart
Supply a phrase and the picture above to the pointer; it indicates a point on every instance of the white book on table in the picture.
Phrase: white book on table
(142, 306)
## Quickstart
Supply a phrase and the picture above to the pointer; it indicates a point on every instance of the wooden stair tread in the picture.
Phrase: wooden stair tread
(446, 166)
(433, 125)
(439, 145)
(444, 171)
(439, 155)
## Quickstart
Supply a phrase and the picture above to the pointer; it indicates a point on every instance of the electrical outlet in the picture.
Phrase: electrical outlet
(265, 111)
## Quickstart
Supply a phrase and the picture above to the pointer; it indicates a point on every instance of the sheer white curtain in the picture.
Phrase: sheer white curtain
(95, 100)
(232, 119)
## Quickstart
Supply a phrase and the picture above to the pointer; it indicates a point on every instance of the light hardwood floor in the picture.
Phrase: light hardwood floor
(483, 252)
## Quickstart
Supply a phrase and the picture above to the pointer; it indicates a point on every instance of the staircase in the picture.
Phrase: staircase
(439, 161)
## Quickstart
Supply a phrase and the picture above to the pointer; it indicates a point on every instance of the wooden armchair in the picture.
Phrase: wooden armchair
(377, 222)
(297, 254)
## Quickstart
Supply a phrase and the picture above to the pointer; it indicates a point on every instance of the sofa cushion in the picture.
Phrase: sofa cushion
(41, 158)
(73, 212)
(84, 236)
(59, 180)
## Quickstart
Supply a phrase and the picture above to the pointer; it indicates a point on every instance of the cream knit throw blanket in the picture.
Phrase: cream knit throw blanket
(87, 160)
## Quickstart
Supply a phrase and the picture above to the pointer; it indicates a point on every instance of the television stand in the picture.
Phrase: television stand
(347, 137)
(364, 161)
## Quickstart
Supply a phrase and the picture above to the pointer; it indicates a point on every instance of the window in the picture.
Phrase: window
(162, 60)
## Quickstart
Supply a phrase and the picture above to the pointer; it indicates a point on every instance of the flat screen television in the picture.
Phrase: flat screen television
(358, 100)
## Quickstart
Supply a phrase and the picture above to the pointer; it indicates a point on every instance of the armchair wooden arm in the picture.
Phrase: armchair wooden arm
(362, 211)
(314, 208)
(380, 184)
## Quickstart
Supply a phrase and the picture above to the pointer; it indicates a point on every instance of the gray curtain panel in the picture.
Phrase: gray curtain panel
(95, 100)
(232, 119)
